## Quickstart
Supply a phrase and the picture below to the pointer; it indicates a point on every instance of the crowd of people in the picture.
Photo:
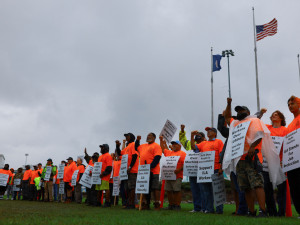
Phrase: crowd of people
(248, 177)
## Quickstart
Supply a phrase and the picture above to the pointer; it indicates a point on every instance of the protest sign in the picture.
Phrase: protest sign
(86, 179)
(168, 131)
(61, 189)
(168, 166)
(60, 172)
(123, 169)
(96, 173)
(205, 166)
(238, 139)
(277, 141)
(291, 151)
(190, 166)
(74, 178)
(116, 186)
(48, 173)
(3, 179)
(17, 182)
(142, 181)
(219, 192)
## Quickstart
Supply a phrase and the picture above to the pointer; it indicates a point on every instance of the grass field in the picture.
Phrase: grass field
(25, 212)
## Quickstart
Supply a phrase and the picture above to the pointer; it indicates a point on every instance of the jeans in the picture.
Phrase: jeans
(243, 208)
(197, 193)
(17, 194)
(9, 191)
(55, 191)
(208, 197)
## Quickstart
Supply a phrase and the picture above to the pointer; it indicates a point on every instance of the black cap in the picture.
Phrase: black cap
(49, 160)
(132, 137)
(239, 108)
(105, 146)
(70, 158)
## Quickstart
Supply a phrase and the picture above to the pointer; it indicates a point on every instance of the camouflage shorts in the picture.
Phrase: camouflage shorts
(247, 176)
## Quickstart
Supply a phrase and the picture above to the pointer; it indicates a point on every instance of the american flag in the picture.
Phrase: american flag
(268, 29)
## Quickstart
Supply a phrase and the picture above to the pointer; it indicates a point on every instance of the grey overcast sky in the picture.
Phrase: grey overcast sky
(77, 74)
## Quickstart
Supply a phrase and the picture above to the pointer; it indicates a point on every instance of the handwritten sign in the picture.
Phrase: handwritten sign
(219, 192)
(96, 173)
(291, 151)
(205, 166)
(190, 166)
(168, 131)
(48, 173)
(74, 178)
(60, 172)
(61, 189)
(116, 186)
(277, 142)
(123, 169)
(238, 139)
(168, 166)
(142, 181)
(86, 179)
(3, 179)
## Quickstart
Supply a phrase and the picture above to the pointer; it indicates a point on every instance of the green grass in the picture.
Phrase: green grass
(25, 212)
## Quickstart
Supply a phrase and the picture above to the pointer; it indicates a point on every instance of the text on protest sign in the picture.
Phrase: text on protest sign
(238, 139)
(96, 173)
(219, 192)
(60, 172)
(277, 141)
(206, 165)
(142, 181)
(61, 189)
(48, 173)
(168, 166)
(123, 169)
(86, 179)
(291, 151)
(3, 179)
(168, 131)
(16, 182)
(116, 186)
(190, 166)
(74, 178)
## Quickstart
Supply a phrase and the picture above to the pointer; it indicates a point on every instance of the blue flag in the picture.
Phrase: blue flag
(216, 63)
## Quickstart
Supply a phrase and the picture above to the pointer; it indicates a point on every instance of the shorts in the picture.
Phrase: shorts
(247, 176)
(103, 186)
(131, 180)
(173, 185)
(154, 182)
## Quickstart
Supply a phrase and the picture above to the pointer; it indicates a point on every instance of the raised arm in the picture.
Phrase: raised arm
(227, 112)
(163, 144)
(193, 133)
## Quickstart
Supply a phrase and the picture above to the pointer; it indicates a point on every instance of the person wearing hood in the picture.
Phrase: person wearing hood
(106, 169)
(248, 174)
(132, 167)
(48, 184)
(293, 175)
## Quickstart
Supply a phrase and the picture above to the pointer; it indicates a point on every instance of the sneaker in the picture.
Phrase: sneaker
(194, 211)
(177, 207)
(250, 214)
(262, 214)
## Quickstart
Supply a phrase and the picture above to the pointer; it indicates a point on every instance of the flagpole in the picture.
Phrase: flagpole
(298, 66)
(256, 69)
(212, 89)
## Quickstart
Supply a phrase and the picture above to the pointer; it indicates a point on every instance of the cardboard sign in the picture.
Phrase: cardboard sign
(219, 192)
(48, 173)
(277, 142)
(60, 172)
(190, 166)
(15, 188)
(61, 189)
(3, 179)
(142, 181)
(17, 181)
(86, 179)
(74, 178)
(123, 169)
(168, 166)
(168, 131)
(96, 173)
(116, 186)
(291, 151)
(238, 139)
(206, 165)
